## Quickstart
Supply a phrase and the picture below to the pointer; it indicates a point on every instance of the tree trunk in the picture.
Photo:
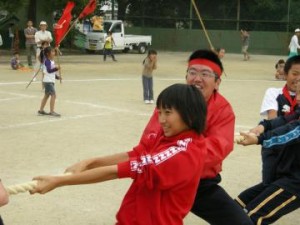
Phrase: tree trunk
(32, 11)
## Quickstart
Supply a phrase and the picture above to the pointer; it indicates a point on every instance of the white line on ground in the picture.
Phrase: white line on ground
(107, 107)
(17, 94)
(11, 99)
(64, 118)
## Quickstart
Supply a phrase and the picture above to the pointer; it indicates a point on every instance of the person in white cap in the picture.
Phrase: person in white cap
(294, 44)
(42, 35)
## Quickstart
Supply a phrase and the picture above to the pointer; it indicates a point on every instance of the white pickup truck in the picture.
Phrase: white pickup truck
(95, 40)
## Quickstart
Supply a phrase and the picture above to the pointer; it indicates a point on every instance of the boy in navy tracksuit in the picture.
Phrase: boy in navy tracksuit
(279, 192)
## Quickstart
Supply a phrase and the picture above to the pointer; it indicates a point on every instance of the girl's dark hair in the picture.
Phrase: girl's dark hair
(291, 61)
(206, 54)
(47, 51)
(150, 52)
(188, 101)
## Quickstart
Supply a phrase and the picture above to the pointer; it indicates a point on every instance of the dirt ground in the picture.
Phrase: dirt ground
(103, 113)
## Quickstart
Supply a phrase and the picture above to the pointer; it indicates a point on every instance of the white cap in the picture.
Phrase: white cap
(44, 23)
(297, 30)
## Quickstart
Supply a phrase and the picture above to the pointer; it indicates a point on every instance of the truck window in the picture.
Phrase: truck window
(117, 28)
(107, 25)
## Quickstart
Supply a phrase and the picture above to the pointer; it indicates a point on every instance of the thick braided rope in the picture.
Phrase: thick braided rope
(24, 187)
(238, 138)
(20, 188)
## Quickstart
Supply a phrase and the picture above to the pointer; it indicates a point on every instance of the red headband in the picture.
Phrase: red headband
(215, 67)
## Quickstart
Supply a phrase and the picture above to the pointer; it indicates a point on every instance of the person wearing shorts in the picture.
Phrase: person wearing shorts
(49, 70)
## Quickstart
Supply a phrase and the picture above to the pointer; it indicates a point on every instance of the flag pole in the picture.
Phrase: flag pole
(34, 76)
(203, 27)
(202, 24)
(58, 62)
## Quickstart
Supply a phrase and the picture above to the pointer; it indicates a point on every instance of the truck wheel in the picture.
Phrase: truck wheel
(142, 48)
(126, 50)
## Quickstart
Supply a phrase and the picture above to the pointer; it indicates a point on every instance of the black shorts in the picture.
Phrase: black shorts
(49, 88)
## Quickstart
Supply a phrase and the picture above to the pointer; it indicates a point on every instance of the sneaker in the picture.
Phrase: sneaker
(151, 102)
(54, 114)
(147, 102)
(42, 112)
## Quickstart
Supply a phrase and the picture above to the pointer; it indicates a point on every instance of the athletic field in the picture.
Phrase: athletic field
(103, 113)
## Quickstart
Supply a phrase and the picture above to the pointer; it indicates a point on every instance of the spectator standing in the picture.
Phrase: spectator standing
(245, 36)
(150, 64)
(294, 43)
(30, 44)
(42, 35)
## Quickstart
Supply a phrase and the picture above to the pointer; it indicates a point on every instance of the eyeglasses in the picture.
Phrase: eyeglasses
(203, 73)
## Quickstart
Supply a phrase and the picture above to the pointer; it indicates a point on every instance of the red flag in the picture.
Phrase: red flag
(88, 9)
(61, 27)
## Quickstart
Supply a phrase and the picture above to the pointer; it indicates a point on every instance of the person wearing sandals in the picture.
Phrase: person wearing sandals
(49, 70)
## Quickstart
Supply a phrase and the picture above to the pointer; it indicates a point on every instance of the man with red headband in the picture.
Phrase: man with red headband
(212, 203)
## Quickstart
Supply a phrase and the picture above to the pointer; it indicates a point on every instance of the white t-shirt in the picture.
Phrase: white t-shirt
(294, 45)
(270, 101)
(1, 42)
(41, 36)
(49, 77)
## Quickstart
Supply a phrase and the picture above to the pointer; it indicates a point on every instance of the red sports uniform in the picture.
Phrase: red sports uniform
(166, 173)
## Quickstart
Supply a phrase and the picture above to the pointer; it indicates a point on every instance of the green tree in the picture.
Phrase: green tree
(12, 6)
(166, 12)
(59, 5)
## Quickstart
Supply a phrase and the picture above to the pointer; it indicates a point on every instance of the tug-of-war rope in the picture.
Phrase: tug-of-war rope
(21, 188)
(238, 138)
(31, 185)
(25, 187)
